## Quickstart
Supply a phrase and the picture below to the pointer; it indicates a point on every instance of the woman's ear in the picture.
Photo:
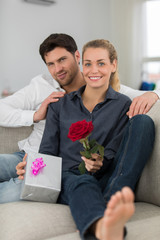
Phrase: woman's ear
(114, 65)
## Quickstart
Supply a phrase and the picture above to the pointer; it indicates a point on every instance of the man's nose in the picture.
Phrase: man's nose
(58, 67)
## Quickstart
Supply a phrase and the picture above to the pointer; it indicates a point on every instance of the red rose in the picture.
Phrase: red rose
(79, 130)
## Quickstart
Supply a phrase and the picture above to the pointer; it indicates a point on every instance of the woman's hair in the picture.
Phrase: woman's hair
(105, 44)
(57, 40)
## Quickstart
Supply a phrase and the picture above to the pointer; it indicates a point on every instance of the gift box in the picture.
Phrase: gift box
(42, 179)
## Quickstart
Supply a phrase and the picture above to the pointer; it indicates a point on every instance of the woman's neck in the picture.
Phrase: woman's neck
(92, 96)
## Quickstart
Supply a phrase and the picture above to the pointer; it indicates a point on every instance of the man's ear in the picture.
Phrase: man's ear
(77, 56)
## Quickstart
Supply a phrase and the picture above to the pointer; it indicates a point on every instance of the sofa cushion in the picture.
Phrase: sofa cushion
(148, 188)
(68, 236)
(33, 220)
(144, 224)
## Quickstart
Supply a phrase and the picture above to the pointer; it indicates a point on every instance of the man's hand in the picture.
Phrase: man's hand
(20, 168)
(41, 113)
(94, 164)
(142, 104)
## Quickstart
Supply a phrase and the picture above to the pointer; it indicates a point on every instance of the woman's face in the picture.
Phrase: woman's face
(97, 67)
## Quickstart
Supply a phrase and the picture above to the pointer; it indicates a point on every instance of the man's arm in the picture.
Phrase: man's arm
(142, 101)
(16, 109)
(28, 105)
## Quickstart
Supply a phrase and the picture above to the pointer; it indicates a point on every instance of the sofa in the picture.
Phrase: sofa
(45, 221)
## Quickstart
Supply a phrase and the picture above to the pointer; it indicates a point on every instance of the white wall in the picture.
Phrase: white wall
(24, 26)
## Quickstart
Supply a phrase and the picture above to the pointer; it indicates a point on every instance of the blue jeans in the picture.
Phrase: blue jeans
(87, 195)
(8, 163)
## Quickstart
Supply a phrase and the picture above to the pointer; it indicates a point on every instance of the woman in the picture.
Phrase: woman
(97, 102)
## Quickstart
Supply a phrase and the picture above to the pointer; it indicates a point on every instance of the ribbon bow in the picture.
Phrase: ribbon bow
(37, 165)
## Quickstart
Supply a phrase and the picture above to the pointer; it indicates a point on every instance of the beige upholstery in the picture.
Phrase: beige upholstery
(44, 221)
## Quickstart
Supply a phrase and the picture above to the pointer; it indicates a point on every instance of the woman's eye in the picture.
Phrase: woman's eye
(101, 64)
(87, 64)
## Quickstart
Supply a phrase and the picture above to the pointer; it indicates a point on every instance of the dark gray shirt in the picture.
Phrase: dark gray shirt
(108, 117)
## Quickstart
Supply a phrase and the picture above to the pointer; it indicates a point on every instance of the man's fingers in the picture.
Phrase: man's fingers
(25, 156)
(20, 167)
(142, 104)
(57, 94)
(21, 177)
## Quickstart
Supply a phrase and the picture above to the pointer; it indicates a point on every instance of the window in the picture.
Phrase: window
(151, 60)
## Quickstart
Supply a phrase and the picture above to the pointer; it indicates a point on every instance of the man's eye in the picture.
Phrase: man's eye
(49, 64)
(62, 59)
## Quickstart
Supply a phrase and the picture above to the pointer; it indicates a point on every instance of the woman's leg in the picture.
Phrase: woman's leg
(135, 150)
(84, 196)
(119, 210)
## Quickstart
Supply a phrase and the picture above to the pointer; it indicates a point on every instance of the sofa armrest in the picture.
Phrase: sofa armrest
(9, 138)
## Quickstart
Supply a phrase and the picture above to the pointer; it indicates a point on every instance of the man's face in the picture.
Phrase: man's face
(62, 65)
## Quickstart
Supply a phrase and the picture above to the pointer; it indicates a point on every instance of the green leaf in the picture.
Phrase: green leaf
(101, 150)
(94, 149)
(82, 168)
(85, 154)
(92, 143)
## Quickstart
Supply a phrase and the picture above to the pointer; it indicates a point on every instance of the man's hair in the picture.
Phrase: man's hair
(57, 40)
(105, 44)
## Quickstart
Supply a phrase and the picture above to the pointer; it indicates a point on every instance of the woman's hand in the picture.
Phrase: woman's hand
(94, 164)
(20, 168)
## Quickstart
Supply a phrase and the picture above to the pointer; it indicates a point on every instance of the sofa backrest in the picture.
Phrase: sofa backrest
(9, 138)
(148, 188)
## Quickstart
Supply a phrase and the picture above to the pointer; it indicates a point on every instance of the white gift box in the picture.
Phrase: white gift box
(46, 185)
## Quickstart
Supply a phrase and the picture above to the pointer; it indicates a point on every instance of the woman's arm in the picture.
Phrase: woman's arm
(51, 136)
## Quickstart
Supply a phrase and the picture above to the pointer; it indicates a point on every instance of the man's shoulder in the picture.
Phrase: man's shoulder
(45, 79)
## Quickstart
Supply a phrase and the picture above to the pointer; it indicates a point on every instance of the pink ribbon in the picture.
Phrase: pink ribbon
(37, 165)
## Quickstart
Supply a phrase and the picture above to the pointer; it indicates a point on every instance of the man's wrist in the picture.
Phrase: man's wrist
(35, 119)
(157, 92)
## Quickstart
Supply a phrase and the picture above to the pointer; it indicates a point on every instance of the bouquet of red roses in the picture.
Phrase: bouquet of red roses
(81, 131)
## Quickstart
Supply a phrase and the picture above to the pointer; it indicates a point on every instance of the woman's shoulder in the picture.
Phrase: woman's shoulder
(123, 96)
(120, 96)
(63, 101)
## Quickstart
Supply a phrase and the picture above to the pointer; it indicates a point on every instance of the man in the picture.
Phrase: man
(29, 105)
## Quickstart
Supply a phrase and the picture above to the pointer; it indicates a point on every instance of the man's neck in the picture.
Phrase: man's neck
(76, 84)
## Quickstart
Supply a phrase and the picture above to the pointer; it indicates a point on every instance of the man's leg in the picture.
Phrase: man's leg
(8, 163)
(10, 190)
(134, 151)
